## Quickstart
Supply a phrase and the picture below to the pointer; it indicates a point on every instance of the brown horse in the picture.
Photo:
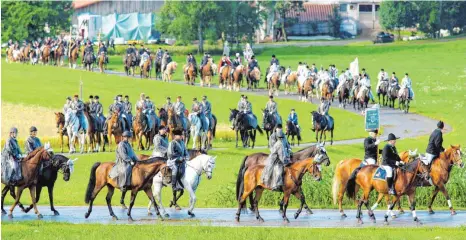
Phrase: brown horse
(237, 77)
(169, 70)
(163, 116)
(274, 83)
(58, 55)
(253, 78)
(9, 54)
(73, 57)
(102, 62)
(141, 179)
(190, 74)
(405, 184)
(60, 123)
(95, 137)
(25, 53)
(305, 89)
(46, 58)
(114, 128)
(224, 78)
(343, 94)
(139, 125)
(130, 64)
(206, 74)
(29, 169)
(327, 92)
(173, 124)
(256, 159)
(146, 68)
(291, 185)
(211, 133)
(290, 81)
(362, 98)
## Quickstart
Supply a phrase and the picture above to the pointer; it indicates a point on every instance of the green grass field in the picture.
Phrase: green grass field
(439, 77)
(44, 230)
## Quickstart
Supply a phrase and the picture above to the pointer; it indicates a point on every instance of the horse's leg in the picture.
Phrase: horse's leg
(157, 190)
(32, 191)
(96, 191)
(286, 198)
(192, 200)
(331, 137)
(237, 138)
(60, 138)
(108, 199)
(256, 203)
(50, 190)
(447, 197)
(4, 192)
(134, 193)
(150, 195)
(18, 196)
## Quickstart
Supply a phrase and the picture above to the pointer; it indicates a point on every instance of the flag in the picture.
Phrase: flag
(354, 67)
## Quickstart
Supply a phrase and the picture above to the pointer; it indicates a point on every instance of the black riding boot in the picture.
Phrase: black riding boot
(391, 190)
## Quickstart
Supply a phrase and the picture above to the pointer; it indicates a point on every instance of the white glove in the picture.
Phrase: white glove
(132, 163)
(75, 111)
(377, 142)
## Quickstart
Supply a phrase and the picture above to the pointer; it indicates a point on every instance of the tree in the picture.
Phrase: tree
(282, 8)
(397, 15)
(335, 22)
(27, 19)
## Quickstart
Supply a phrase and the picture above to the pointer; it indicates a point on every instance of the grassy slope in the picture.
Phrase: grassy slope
(438, 81)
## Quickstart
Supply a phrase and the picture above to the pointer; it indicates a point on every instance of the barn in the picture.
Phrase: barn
(120, 20)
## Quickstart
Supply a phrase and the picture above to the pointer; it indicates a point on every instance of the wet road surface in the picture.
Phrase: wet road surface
(226, 217)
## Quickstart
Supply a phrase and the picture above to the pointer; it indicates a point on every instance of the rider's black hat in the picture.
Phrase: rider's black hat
(96, 97)
(273, 55)
(279, 125)
(440, 125)
(391, 136)
(168, 98)
(90, 96)
(194, 99)
(271, 96)
(126, 96)
(177, 132)
(33, 129)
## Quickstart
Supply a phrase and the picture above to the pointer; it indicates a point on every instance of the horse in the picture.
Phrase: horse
(197, 131)
(246, 131)
(274, 83)
(139, 126)
(102, 62)
(130, 64)
(48, 176)
(75, 131)
(320, 123)
(29, 169)
(392, 96)
(224, 78)
(25, 53)
(260, 159)
(290, 81)
(292, 180)
(115, 128)
(270, 122)
(173, 124)
(169, 70)
(95, 137)
(46, 55)
(146, 68)
(305, 88)
(403, 100)
(60, 123)
(206, 74)
(73, 57)
(88, 61)
(190, 74)
(158, 68)
(163, 116)
(327, 92)
(354, 98)
(253, 78)
(58, 55)
(211, 132)
(237, 77)
(383, 90)
(34, 56)
(141, 179)
(405, 184)
(343, 94)
(292, 130)
(362, 99)
(191, 179)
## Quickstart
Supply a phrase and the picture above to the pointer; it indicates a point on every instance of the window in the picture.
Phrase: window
(365, 8)
(343, 7)
(377, 8)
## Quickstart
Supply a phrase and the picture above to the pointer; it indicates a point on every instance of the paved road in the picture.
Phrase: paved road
(226, 217)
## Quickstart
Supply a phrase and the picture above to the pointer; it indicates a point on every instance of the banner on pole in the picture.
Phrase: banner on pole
(372, 118)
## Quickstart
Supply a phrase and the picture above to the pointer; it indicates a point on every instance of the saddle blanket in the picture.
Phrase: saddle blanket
(380, 174)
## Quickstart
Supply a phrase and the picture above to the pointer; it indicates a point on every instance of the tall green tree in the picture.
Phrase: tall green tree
(395, 15)
(27, 19)
(282, 8)
(335, 21)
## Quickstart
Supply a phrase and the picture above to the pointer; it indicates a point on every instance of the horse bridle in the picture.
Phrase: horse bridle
(199, 172)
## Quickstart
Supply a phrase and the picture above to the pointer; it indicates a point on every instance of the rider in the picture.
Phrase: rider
(159, 53)
(166, 60)
(144, 56)
(236, 62)
(160, 143)
(393, 82)
(204, 61)
(365, 81)
(127, 110)
(125, 160)
(97, 112)
(88, 49)
(293, 118)
(198, 108)
(142, 50)
(390, 161)
(78, 107)
(383, 76)
(252, 64)
(371, 148)
(207, 106)
(407, 83)
(123, 115)
(67, 105)
(274, 60)
(12, 153)
(272, 107)
(434, 147)
(272, 175)
(168, 104)
(103, 49)
(32, 142)
(191, 60)
(274, 138)
(179, 111)
(177, 157)
(364, 72)
(224, 62)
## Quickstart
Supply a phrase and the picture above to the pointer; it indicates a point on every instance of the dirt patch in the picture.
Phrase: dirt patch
(24, 116)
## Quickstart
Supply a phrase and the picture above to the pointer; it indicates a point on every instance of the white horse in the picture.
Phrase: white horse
(75, 130)
(197, 132)
(191, 179)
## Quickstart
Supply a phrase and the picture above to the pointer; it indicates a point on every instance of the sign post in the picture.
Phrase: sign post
(372, 118)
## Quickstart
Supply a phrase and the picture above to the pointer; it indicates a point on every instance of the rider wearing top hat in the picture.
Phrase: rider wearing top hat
(390, 161)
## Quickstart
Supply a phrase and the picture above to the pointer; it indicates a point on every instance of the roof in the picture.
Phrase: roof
(313, 12)
(77, 4)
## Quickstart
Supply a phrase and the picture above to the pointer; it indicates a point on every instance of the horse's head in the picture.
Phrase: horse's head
(208, 163)
(233, 114)
(163, 113)
(455, 155)
(59, 118)
(315, 170)
(166, 172)
(315, 118)
(46, 153)
(320, 155)
(64, 165)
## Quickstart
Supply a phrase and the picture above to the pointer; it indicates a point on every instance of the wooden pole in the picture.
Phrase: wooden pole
(69, 44)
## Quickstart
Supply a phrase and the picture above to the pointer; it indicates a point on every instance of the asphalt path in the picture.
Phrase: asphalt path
(321, 218)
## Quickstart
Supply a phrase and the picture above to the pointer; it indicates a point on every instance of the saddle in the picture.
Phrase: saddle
(381, 174)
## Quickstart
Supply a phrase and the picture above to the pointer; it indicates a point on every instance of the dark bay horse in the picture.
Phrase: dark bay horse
(383, 90)
(405, 184)
(270, 123)
(130, 64)
(60, 122)
(252, 183)
(253, 78)
(343, 94)
(95, 137)
(141, 129)
(141, 180)
(260, 159)
(88, 61)
(392, 96)
(292, 130)
(403, 100)
(158, 68)
(244, 129)
(320, 123)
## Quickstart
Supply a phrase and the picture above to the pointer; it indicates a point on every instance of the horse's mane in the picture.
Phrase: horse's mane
(411, 166)
(152, 160)
(33, 153)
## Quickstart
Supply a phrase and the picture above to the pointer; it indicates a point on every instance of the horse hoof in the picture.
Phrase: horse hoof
(130, 219)
(124, 207)
(309, 211)
(260, 219)
(191, 214)
(114, 218)
(285, 220)
(149, 214)
(3, 212)
(343, 216)
(296, 215)
(166, 215)
(39, 216)
(86, 215)
(56, 213)
(10, 216)
(453, 212)
(431, 211)
(237, 219)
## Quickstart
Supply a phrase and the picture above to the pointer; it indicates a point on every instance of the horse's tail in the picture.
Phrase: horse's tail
(351, 185)
(215, 126)
(336, 183)
(259, 129)
(91, 184)
(240, 179)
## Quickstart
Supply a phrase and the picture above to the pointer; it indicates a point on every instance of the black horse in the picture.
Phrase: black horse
(392, 95)
(322, 123)
(270, 123)
(293, 131)
(47, 177)
(242, 126)
(158, 68)
(88, 61)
